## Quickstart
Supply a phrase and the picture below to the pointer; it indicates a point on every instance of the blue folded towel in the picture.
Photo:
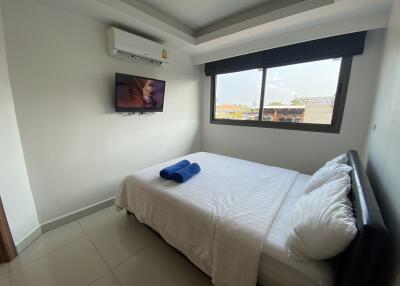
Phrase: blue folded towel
(167, 172)
(185, 174)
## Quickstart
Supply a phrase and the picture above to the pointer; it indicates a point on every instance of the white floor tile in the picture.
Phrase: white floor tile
(116, 235)
(74, 255)
(4, 268)
(107, 280)
(48, 242)
(104, 219)
(76, 264)
(5, 280)
(157, 264)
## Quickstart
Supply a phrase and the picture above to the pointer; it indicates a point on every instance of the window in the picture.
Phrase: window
(303, 96)
(305, 91)
(236, 101)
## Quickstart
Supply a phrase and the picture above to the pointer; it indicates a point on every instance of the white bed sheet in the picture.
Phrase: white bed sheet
(275, 267)
(172, 209)
(219, 218)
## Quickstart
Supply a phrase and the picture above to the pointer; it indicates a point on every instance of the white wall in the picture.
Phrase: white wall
(301, 150)
(77, 149)
(384, 141)
(15, 190)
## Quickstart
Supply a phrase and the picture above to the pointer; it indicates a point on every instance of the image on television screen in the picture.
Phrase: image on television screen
(138, 94)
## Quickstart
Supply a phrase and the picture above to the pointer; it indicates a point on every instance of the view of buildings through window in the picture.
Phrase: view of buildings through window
(302, 93)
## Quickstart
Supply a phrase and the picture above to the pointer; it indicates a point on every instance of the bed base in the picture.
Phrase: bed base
(358, 263)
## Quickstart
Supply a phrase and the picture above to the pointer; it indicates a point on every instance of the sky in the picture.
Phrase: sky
(283, 84)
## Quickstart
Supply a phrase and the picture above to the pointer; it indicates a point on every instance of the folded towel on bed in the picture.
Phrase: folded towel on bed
(167, 172)
(185, 174)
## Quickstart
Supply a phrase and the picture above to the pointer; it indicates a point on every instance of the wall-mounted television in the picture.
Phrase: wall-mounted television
(138, 94)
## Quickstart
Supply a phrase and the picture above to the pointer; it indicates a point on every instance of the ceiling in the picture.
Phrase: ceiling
(201, 17)
(215, 29)
(197, 15)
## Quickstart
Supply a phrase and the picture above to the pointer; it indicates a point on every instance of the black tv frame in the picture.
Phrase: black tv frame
(134, 109)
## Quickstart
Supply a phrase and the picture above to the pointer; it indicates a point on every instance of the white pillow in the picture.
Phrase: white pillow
(322, 223)
(342, 159)
(325, 174)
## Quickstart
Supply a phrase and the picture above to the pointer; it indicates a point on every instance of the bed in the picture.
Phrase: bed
(231, 221)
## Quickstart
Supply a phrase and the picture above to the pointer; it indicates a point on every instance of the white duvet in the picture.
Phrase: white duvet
(219, 218)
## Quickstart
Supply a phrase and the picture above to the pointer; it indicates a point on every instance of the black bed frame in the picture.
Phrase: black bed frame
(357, 265)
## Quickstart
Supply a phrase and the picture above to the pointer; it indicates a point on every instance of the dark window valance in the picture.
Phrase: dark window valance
(332, 47)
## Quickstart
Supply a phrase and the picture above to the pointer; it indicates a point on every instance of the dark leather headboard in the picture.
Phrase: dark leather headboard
(358, 263)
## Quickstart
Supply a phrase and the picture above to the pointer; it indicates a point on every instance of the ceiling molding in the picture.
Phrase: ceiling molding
(139, 15)
(269, 6)
(160, 16)
(263, 19)
(303, 34)
(300, 21)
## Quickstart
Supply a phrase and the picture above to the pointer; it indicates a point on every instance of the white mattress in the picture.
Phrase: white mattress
(187, 216)
(275, 268)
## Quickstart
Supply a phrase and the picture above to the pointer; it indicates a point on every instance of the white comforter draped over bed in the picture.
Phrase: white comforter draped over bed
(219, 218)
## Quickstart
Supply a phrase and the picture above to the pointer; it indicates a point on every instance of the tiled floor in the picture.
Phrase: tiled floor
(107, 248)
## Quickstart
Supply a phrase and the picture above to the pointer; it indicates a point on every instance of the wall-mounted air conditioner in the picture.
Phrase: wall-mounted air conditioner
(132, 47)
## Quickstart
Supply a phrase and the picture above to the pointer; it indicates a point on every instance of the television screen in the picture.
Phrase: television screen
(138, 94)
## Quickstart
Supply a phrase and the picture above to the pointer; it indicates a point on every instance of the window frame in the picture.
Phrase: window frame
(338, 109)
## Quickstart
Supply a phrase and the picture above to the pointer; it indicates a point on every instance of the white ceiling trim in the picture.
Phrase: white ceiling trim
(295, 23)
(150, 20)
(160, 16)
(313, 32)
(342, 17)
(265, 19)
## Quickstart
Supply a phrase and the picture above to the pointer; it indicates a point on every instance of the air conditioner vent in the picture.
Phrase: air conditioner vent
(132, 47)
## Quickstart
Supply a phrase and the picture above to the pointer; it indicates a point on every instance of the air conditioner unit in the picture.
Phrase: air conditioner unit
(132, 47)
